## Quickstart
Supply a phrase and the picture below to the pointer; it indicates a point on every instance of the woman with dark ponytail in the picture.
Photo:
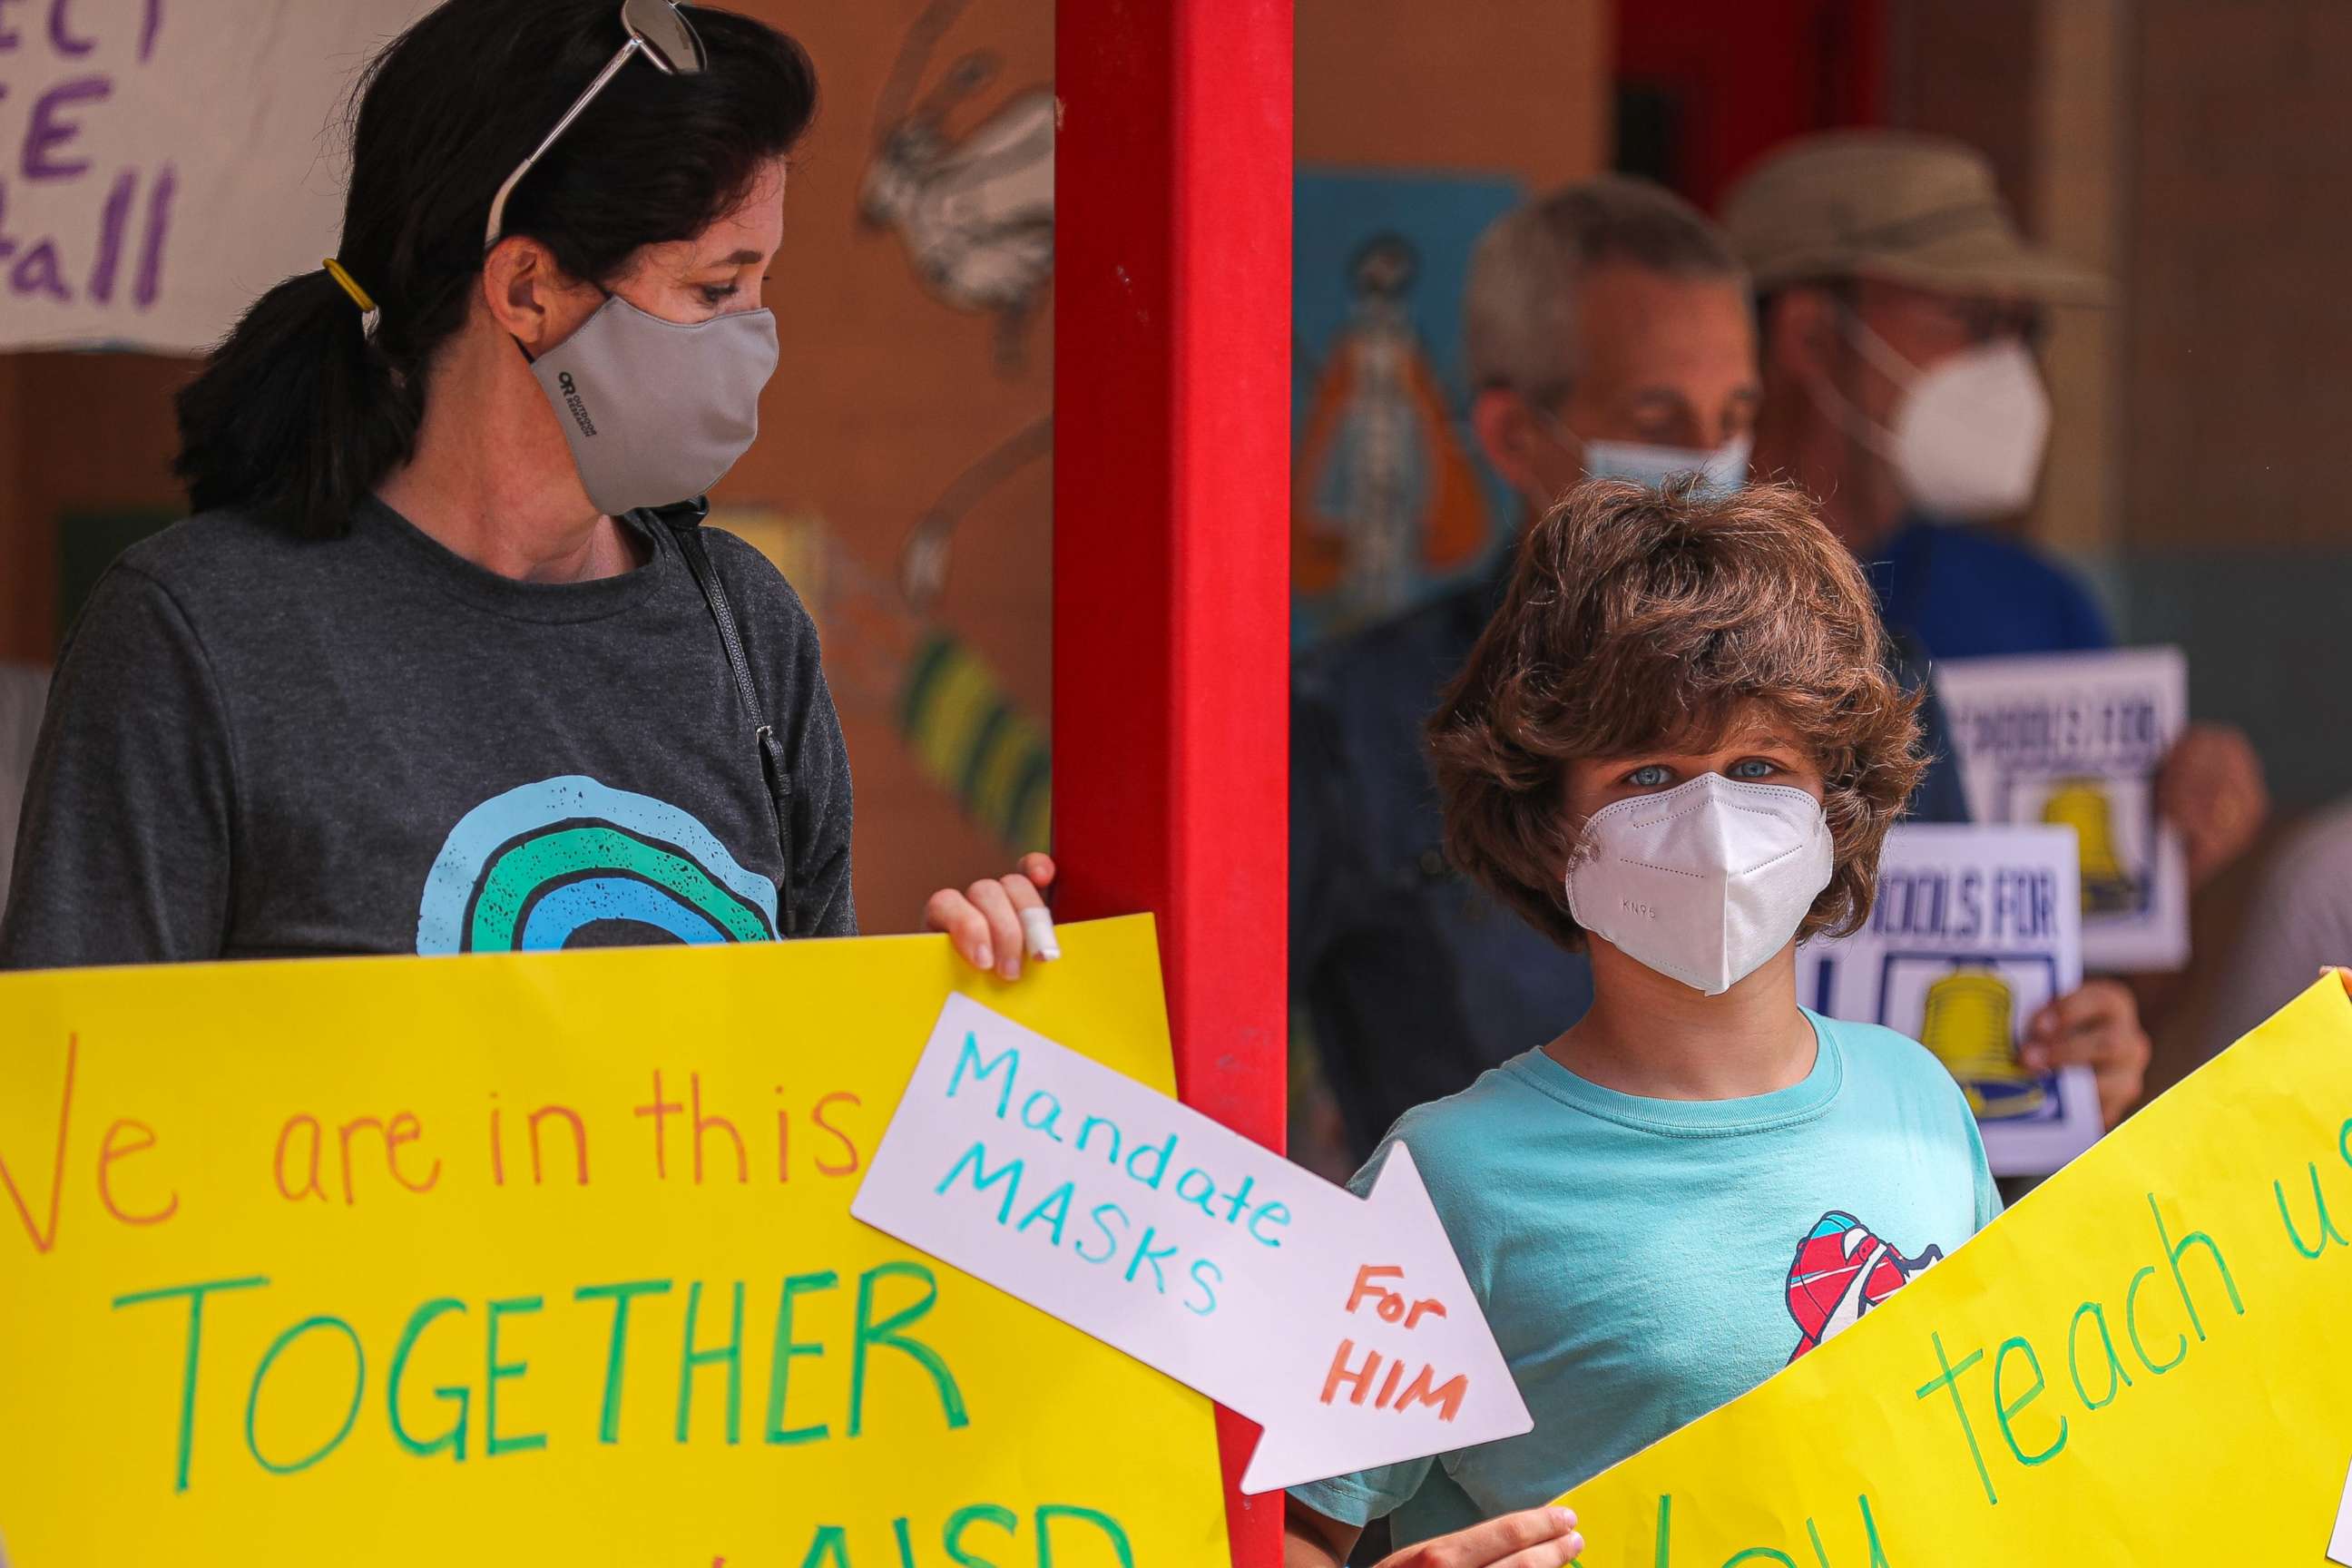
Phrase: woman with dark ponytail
(444, 660)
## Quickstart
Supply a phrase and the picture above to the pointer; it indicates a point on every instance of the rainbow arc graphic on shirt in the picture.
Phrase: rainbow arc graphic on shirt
(544, 864)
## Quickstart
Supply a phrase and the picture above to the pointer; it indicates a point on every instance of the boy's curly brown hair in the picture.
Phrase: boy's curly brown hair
(1638, 621)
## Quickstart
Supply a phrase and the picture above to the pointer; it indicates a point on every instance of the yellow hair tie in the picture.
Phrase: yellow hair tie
(349, 286)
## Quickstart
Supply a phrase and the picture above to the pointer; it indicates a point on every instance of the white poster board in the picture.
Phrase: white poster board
(2075, 740)
(1975, 929)
(163, 163)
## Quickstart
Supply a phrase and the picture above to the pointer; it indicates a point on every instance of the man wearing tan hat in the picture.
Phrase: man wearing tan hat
(1899, 310)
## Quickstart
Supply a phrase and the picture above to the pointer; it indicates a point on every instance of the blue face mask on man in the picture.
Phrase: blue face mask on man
(1721, 472)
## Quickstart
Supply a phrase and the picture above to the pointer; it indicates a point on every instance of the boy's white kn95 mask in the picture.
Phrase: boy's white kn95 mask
(1703, 883)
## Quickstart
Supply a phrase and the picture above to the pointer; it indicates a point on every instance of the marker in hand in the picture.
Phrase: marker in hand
(1037, 928)
(998, 919)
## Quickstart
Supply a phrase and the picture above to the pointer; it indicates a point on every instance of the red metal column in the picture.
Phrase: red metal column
(1171, 473)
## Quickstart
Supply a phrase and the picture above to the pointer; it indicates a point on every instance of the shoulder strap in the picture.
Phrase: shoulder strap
(684, 521)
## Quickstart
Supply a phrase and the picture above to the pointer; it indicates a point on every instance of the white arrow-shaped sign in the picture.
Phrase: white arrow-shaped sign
(1341, 1325)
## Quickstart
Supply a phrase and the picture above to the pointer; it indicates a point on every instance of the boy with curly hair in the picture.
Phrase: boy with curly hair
(1676, 747)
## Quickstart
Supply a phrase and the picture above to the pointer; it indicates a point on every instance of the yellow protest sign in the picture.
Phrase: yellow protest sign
(544, 1259)
(2144, 1362)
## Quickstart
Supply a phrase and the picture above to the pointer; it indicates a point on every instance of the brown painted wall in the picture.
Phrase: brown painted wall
(76, 431)
(2240, 310)
(1970, 71)
(1519, 86)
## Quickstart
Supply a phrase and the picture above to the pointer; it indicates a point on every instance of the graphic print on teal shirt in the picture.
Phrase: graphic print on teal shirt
(535, 868)
(1644, 1261)
(1843, 1271)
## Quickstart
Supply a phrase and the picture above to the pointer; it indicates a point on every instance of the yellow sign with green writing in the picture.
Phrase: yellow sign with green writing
(544, 1259)
(2144, 1362)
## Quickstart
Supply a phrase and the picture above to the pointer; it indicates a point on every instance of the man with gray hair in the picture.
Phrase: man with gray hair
(1610, 333)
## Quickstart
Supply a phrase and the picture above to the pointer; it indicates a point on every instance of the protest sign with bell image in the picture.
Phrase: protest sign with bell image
(2074, 741)
(1974, 930)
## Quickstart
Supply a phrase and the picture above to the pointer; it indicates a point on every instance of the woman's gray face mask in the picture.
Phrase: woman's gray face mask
(656, 411)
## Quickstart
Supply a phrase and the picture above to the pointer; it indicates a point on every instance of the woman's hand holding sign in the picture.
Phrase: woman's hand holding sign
(997, 919)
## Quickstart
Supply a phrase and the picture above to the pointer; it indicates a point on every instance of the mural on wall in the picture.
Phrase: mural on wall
(973, 737)
(974, 209)
(963, 176)
(923, 559)
(887, 657)
(1389, 499)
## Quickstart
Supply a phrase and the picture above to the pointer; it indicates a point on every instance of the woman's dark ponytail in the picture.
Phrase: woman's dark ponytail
(296, 416)
(304, 409)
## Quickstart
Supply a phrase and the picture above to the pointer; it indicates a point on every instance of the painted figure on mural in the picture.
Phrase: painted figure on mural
(975, 211)
(1384, 492)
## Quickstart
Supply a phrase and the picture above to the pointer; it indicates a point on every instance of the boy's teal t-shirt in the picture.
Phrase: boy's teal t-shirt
(1645, 1261)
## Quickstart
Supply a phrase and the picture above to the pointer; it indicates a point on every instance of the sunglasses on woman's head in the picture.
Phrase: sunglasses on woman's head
(656, 29)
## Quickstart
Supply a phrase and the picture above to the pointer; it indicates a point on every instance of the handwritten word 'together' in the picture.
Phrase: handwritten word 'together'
(264, 1380)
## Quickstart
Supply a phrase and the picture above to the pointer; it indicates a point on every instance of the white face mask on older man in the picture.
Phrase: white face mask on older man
(1968, 434)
